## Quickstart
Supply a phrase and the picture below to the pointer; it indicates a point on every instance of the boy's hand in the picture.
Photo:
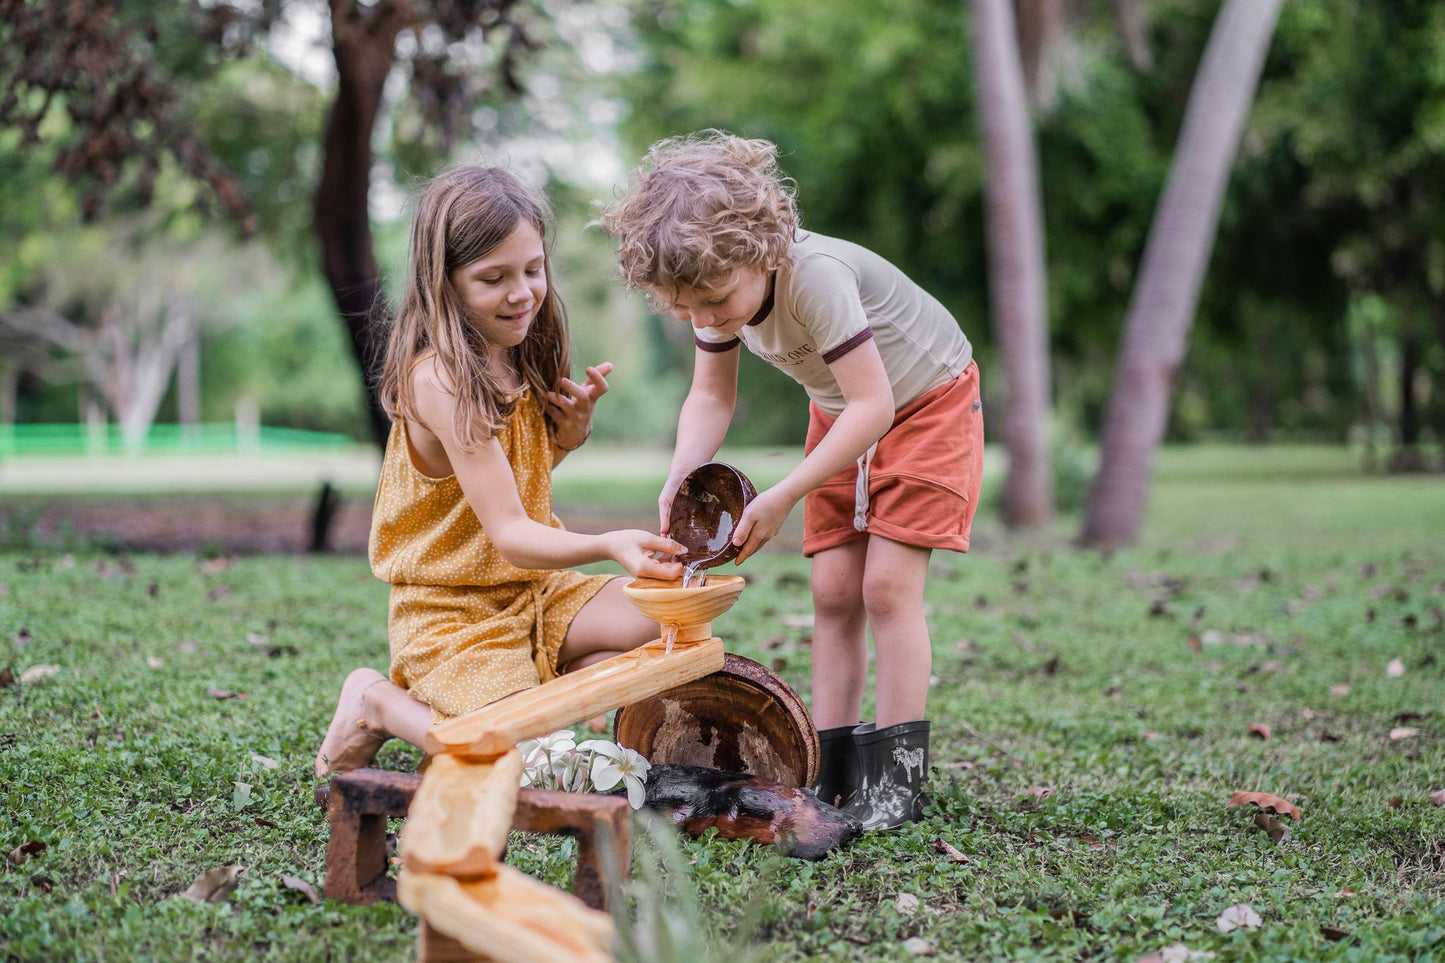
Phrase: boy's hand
(570, 404)
(761, 520)
(634, 550)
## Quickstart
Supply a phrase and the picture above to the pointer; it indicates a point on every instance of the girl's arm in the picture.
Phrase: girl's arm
(702, 424)
(490, 488)
(867, 416)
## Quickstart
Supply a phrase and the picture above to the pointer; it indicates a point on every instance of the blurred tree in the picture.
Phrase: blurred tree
(1016, 252)
(1175, 258)
(118, 72)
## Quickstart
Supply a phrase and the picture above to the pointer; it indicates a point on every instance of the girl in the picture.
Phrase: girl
(475, 381)
(894, 454)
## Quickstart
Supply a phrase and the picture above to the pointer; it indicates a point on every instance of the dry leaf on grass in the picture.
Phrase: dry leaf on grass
(265, 762)
(214, 885)
(1277, 828)
(1395, 669)
(1438, 798)
(7, 678)
(1239, 916)
(37, 672)
(1176, 953)
(1332, 934)
(942, 846)
(906, 903)
(25, 850)
(1266, 801)
(1403, 732)
(1339, 691)
(1259, 730)
(226, 694)
(916, 946)
(302, 887)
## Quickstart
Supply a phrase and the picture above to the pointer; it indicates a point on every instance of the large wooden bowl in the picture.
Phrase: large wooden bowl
(704, 512)
(742, 718)
(691, 609)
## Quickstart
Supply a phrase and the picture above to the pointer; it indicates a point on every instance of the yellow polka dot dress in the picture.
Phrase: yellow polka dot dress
(466, 627)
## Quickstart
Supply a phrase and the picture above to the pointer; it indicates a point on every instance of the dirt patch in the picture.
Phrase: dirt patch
(236, 524)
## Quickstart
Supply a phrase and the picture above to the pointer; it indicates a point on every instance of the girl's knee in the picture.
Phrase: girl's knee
(886, 595)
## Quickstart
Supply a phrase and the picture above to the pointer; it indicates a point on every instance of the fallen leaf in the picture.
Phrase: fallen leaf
(1176, 953)
(779, 664)
(1395, 802)
(1339, 691)
(1265, 801)
(257, 639)
(302, 887)
(154, 662)
(597, 723)
(803, 620)
(1258, 729)
(1277, 829)
(942, 846)
(773, 642)
(1332, 934)
(22, 638)
(1438, 798)
(1238, 916)
(37, 672)
(7, 678)
(1403, 732)
(25, 850)
(1041, 792)
(214, 885)
(1345, 891)
(1395, 669)
(266, 762)
(226, 694)
(906, 903)
(917, 946)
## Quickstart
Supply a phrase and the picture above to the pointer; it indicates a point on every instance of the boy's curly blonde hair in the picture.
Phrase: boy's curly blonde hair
(697, 209)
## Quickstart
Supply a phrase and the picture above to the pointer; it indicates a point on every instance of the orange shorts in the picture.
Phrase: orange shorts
(923, 477)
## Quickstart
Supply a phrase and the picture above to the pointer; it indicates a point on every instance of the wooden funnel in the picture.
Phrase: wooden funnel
(690, 610)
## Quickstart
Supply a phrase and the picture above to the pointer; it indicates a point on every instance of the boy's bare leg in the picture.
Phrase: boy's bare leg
(371, 710)
(893, 596)
(607, 625)
(840, 635)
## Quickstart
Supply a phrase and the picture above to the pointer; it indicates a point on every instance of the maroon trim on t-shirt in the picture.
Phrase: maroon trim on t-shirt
(716, 347)
(830, 356)
(767, 305)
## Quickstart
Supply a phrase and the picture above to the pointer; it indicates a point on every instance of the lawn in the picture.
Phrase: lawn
(1277, 630)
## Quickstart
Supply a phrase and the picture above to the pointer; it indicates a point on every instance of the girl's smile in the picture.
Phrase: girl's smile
(503, 289)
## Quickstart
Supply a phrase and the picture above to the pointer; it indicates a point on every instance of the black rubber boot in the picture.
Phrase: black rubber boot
(892, 764)
(837, 766)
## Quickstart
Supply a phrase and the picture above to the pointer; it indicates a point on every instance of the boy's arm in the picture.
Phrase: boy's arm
(867, 416)
(702, 424)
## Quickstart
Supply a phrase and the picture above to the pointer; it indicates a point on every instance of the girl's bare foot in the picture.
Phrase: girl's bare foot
(350, 743)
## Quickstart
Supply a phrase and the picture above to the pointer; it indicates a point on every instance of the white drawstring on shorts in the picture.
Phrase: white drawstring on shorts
(860, 490)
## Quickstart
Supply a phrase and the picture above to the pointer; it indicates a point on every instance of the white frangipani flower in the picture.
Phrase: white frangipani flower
(612, 764)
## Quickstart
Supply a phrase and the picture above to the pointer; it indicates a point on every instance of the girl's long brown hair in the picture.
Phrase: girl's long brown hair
(461, 215)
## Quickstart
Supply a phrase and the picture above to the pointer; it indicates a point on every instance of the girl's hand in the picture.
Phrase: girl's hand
(634, 550)
(761, 520)
(570, 405)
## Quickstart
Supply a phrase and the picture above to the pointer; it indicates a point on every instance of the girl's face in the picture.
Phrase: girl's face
(503, 289)
(726, 308)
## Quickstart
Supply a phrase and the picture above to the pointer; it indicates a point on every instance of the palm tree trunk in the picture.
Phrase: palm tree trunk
(1175, 258)
(1015, 261)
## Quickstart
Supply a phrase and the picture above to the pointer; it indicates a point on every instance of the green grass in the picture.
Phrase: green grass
(1292, 574)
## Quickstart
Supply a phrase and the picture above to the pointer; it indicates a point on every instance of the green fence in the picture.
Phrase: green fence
(163, 439)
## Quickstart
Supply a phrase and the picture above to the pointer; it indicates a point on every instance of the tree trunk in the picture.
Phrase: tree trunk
(1015, 262)
(364, 42)
(1130, 20)
(1175, 258)
(1040, 32)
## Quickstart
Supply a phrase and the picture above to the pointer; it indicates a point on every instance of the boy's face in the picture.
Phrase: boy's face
(725, 308)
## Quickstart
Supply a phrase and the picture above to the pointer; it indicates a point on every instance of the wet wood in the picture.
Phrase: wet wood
(740, 806)
(461, 814)
(742, 718)
(686, 612)
(509, 917)
(571, 698)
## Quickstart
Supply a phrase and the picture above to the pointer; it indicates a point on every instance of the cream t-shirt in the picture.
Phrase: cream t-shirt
(834, 295)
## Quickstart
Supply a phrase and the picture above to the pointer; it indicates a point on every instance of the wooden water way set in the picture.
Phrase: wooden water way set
(729, 741)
